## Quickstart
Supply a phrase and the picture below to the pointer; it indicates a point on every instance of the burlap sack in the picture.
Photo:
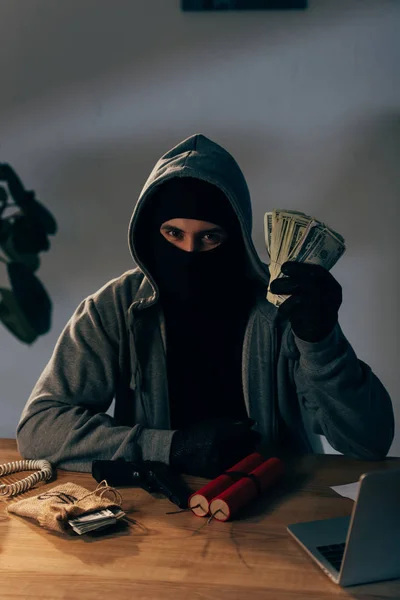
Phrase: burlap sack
(54, 507)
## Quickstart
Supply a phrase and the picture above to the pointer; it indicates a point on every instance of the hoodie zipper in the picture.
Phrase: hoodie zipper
(274, 403)
(136, 371)
(273, 431)
(246, 361)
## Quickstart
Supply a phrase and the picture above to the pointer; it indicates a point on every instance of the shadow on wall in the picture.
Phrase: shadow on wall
(367, 180)
(366, 191)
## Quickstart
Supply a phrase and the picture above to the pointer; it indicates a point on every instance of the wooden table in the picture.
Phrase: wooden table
(179, 556)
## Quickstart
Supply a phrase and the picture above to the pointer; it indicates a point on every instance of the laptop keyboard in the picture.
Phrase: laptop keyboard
(333, 553)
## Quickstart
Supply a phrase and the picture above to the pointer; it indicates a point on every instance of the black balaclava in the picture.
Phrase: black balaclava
(204, 279)
(205, 297)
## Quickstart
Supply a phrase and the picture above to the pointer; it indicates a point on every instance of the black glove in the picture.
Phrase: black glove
(208, 449)
(315, 299)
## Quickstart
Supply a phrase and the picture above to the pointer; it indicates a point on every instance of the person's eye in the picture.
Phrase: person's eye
(175, 234)
(212, 238)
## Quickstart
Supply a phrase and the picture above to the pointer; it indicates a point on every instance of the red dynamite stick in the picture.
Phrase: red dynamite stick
(199, 502)
(226, 504)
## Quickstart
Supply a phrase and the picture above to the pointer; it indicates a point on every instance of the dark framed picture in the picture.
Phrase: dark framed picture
(193, 5)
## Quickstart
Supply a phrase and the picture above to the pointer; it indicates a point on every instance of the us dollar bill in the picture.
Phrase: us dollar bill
(294, 236)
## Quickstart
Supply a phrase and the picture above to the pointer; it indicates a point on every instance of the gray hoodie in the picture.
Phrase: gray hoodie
(114, 347)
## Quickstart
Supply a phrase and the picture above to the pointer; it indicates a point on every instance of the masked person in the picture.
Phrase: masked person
(203, 369)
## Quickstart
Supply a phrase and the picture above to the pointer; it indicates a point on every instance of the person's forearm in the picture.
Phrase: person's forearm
(347, 402)
(65, 419)
(71, 437)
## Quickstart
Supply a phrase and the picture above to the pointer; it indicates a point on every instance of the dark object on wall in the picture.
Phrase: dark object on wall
(25, 309)
(193, 5)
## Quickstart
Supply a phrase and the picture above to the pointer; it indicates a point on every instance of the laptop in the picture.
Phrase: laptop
(364, 547)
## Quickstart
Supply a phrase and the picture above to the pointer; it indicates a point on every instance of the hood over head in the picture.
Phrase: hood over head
(214, 190)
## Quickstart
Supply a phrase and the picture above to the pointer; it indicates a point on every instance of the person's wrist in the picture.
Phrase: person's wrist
(177, 448)
(313, 336)
(153, 444)
(313, 330)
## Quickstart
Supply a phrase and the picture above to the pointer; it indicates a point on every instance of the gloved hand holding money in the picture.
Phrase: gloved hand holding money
(315, 295)
(294, 236)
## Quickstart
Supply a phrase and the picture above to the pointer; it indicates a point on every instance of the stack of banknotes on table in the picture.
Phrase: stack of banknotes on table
(96, 520)
(294, 236)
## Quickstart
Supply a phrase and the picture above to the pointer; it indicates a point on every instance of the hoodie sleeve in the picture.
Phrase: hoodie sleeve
(345, 400)
(65, 420)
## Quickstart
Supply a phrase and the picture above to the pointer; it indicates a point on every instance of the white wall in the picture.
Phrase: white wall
(92, 92)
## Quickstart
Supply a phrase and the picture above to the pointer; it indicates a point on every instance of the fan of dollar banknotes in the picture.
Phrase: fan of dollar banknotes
(292, 235)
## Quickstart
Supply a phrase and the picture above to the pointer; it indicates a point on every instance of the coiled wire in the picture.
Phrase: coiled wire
(43, 470)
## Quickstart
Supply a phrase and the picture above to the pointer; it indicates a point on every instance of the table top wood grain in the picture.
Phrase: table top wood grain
(180, 557)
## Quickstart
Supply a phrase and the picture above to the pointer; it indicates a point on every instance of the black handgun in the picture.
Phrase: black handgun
(150, 475)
